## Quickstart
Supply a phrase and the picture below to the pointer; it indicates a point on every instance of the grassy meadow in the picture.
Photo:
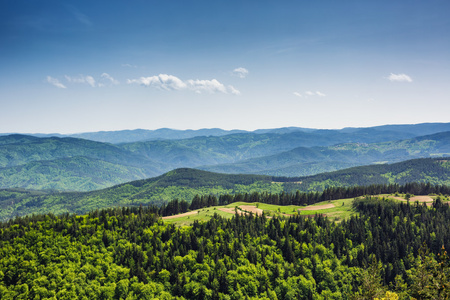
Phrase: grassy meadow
(335, 210)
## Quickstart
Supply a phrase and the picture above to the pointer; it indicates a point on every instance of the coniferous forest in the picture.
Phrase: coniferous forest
(389, 250)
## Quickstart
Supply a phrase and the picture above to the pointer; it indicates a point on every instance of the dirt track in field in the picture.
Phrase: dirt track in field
(318, 207)
(180, 215)
(416, 198)
(250, 208)
(421, 199)
(228, 210)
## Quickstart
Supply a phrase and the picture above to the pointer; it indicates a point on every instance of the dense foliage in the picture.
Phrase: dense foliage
(129, 253)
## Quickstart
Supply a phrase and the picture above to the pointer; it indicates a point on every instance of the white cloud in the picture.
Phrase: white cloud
(233, 90)
(399, 77)
(241, 72)
(170, 82)
(90, 80)
(109, 78)
(55, 82)
(311, 94)
(162, 81)
(210, 86)
(81, 79)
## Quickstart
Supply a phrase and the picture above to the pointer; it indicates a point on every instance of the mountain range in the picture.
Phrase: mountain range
(136, 135)
(75, 164)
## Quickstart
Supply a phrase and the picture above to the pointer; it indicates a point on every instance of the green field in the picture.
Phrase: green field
(342, 210)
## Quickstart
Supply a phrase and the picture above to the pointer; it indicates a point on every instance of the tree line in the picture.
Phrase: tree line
(176, 206)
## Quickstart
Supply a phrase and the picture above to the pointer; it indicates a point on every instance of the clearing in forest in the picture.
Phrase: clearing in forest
(415, 198)
(318, 207)
(335, 210)
(179, 215)
(242, 209)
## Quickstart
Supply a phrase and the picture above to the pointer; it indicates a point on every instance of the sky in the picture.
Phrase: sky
(71, 66)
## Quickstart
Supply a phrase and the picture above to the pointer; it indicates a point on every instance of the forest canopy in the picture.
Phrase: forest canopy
(129, 253)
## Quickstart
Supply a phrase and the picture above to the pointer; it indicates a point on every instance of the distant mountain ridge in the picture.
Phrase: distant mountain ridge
(135, 135)
(299, 161)
(67, 163)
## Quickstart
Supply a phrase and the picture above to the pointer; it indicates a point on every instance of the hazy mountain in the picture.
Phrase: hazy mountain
(129, 136)
(69, 163)
(20, 149)
(308, 161)
(73, 173)
(235, 147)
(416, 129)
(55, 163)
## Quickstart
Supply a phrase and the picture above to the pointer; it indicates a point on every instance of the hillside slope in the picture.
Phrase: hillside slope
(432, 170)
(69, 164)
(184, 184)
(70, 174)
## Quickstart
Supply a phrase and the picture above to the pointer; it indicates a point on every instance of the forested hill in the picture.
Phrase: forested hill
(390, 251)
(181, 184)
(21, 149)
(68, 164)
(432, 170)
(184, 184)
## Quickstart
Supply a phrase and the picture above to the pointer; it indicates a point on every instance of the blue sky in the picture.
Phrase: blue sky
(78, 66)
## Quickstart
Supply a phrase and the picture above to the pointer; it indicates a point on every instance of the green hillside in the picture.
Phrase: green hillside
(432, 170)
(75, 173)
(19, 149)
(183, 184)
(68, 164)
